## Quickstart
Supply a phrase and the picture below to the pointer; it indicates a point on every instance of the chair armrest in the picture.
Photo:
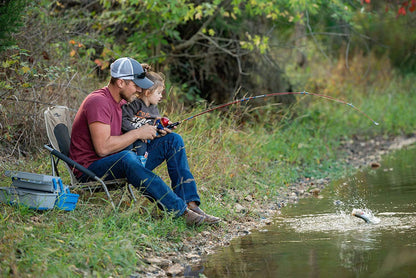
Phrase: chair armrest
(71, 163)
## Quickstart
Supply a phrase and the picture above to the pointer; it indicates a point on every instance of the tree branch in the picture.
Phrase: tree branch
(197, 35)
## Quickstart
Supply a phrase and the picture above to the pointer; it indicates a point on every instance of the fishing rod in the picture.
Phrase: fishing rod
(164, 121)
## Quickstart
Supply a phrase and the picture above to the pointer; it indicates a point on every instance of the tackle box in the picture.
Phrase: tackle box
(31, 198)
(7, 195)
(38, 191)
(35, 181)
(66, 200)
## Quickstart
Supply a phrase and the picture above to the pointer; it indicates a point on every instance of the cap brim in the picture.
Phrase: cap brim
(144, 83)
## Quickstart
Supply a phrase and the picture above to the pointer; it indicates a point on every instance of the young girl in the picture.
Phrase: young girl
(143, 110)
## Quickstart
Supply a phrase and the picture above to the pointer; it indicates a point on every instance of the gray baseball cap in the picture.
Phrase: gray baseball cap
(130, 69)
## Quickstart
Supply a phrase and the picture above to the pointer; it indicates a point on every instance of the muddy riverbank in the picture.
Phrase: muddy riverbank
(254, 214)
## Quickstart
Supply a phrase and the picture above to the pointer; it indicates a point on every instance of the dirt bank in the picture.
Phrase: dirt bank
(360, 154)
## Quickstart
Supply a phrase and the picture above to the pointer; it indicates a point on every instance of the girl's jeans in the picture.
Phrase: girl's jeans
(169, 148)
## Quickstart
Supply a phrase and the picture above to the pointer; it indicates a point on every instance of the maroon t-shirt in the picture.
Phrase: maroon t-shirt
(99, 106)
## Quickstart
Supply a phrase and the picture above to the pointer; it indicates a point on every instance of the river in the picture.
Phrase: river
(318, 237)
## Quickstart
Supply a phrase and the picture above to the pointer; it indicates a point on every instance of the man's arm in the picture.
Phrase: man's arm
(105, 144)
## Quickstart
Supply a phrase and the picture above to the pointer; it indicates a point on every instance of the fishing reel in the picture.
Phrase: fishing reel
(163, 123)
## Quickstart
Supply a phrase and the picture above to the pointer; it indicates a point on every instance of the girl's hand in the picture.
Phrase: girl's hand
(164, 122)
(174, 127)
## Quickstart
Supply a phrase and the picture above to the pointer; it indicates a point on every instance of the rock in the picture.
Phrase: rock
(248, 198)
(193, 257)
(243, 233)
(205, 233)
(175, 270)
(375, 164)
(163, 263)
(402, 143)
(315, 191)
(293, 199)
(239, 208)
(151, 271)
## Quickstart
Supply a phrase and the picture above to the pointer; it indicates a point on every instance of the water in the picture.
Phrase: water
(320, 237)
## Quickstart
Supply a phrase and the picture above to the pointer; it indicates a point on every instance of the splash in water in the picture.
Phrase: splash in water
(365, 215)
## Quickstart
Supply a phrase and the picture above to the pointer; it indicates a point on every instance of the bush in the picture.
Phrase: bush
(11, 12)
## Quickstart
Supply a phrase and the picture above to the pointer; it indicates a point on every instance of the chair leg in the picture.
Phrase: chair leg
(129, 186)
(54, 166)
(106, 192)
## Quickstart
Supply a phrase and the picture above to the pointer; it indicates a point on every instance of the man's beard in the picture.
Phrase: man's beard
(126, 98)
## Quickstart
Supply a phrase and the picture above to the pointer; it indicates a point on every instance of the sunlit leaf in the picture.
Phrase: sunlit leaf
(98, 62)
(105, 64)
(25, 69)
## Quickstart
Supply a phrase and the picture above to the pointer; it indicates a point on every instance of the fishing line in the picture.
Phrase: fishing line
(271, 95)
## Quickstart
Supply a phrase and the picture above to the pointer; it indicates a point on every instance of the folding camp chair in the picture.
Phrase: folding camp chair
(58, 127)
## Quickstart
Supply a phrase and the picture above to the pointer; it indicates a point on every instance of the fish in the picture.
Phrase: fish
(363, 215)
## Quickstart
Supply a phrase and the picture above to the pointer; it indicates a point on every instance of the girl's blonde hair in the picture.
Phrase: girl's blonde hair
(157, 78)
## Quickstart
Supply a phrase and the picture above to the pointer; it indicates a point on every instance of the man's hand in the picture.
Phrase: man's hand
(146, 132)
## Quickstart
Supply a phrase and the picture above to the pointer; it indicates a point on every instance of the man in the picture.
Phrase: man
(98, 144)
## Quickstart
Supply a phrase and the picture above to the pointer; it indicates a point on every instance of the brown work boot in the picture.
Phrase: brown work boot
(209, 219)
(193, 218)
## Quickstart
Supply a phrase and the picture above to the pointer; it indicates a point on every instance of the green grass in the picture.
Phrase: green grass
(231, 155)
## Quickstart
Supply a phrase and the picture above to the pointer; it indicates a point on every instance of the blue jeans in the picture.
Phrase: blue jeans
(139, 147)
(169, 148)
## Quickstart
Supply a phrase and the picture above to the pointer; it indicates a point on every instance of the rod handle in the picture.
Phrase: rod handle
(173, 125)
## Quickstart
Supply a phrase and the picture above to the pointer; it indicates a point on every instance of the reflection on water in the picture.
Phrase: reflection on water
(320, 237)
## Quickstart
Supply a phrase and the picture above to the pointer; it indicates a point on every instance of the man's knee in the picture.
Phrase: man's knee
(129, 159)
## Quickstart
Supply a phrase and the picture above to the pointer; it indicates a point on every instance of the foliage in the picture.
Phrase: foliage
(11, 13)
(402, 7)
(391, 32)
(213, 47)
(35, 74)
